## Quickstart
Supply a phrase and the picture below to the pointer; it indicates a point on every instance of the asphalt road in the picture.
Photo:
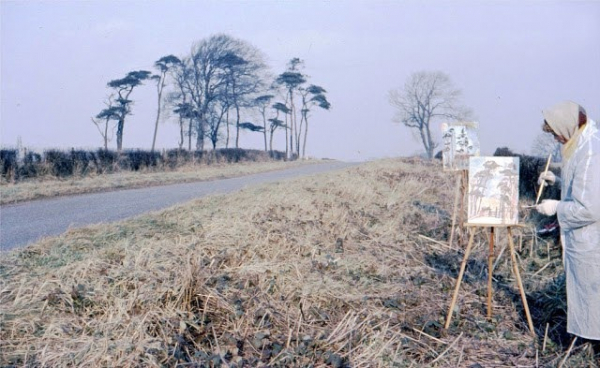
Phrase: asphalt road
(24, 223)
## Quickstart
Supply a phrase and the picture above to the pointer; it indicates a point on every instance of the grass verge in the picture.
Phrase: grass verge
(346, 269)
(52, 186)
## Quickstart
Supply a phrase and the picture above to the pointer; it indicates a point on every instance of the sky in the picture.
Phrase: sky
(510, 59)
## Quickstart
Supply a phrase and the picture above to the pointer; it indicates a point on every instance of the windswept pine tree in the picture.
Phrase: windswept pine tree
(121, 106)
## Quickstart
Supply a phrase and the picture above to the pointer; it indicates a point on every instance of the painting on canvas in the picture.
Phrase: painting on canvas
(460, 142)
(493, 195)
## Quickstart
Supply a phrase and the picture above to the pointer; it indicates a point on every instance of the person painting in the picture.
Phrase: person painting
(578, 214)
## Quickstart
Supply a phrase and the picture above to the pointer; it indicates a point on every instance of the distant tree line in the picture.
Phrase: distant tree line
(222, 87)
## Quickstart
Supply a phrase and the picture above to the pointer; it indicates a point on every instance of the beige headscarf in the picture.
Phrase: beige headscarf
(563, 118)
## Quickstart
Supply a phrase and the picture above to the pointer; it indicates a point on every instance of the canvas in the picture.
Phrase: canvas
(493, 195)
(460, 142)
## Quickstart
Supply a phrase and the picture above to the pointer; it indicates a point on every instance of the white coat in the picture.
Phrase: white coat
(579, 217)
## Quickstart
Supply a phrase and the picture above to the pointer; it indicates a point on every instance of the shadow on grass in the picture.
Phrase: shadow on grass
(547, 305)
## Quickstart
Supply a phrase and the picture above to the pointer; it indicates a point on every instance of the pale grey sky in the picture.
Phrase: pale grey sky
(511, 59)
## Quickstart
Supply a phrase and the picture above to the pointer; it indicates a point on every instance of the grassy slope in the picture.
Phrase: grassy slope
(332, 270)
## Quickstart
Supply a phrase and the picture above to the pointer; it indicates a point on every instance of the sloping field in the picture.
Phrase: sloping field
(347, 269)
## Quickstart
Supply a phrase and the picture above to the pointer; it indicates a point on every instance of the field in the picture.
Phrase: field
(347, 269)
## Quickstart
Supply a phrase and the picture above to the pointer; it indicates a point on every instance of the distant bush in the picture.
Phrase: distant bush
(32, 165)
(82, 161)
(8, 162)
(136, 160)
(67, 163)
(530, 168)
(174, 157)
(504, 152)
(233, 155)
(60, 162)
(277, 155)
(106, 161)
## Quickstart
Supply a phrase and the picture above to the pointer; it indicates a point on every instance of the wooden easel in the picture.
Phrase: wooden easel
(459, 203)
(515, 265)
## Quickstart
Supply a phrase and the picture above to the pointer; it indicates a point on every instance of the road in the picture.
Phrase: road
(24, 223)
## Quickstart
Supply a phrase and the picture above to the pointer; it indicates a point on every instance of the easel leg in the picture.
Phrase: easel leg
(513, 257)
(463, 194)
(456, 196)
(490, 270)
(459, 279)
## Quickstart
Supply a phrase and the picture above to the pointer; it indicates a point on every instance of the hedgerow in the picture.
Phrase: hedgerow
(78, 162)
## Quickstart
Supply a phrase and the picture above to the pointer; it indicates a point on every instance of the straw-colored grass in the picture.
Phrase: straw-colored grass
(49, 186)
(346, 269)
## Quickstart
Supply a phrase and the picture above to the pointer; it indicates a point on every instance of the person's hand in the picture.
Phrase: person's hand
(547, 207)
(547, 177)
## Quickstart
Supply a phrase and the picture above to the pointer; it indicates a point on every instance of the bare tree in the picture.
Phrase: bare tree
(163, 64)
(179, 101)
(204, 78)
(244, 67)
(425, 98)
(221, 70)
(214, 119)
(262, 103)
(544, 144)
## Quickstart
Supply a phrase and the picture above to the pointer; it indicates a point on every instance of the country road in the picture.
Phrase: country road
(24, 223)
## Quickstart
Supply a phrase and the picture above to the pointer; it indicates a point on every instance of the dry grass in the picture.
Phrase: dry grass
(346, 269)
(50, 186)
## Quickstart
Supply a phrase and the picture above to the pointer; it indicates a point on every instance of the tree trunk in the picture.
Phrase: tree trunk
(303, 119)
(265, 130)
(287, 153)
(424, 139)
(430, 146)
(190, 134)
(120, 125)
(292, 124)
(200, 136)
(237, 126)
(227, 124)
(200, 131)
(299, 134)
(181, 135)
(305, 134)
(106, 136)
(160, 89)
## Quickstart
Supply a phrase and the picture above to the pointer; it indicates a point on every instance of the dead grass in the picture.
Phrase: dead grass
(334, 270)
(50, 186)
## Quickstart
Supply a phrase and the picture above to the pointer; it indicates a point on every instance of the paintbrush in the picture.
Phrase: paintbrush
(539, 194)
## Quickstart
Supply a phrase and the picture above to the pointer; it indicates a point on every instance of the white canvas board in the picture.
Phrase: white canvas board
(493, 194)
(461, 141)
